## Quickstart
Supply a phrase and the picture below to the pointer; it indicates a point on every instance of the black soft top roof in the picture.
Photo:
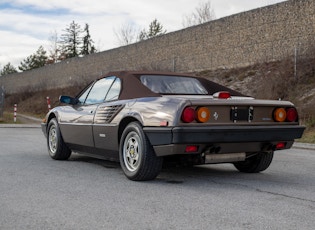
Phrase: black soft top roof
(133, 88)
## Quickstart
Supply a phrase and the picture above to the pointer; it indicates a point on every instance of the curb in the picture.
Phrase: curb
(20, 126)
(34, 119)
(299, 145)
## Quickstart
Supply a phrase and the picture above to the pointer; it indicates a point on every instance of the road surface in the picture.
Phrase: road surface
(37, 192)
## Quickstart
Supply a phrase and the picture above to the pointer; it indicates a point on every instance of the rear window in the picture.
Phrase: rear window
(173, 84)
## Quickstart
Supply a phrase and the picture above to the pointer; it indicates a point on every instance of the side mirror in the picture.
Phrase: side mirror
(68, 100)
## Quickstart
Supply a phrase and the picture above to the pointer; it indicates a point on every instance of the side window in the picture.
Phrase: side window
(114, 91)
(99, 90)
(84, 94)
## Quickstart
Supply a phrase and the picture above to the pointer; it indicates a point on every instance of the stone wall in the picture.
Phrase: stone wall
(265, 34)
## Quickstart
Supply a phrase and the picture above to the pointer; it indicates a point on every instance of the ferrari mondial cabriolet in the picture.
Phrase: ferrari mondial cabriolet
(144, 118)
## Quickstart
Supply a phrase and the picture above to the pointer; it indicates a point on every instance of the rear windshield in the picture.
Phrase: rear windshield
(163, 84)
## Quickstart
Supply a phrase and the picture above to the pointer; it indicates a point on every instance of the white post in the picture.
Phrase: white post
(48, 103)
(15, 110)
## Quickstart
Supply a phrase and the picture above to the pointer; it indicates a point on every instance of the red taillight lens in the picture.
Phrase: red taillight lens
(292, 115)
(222, 95)
(188, 115)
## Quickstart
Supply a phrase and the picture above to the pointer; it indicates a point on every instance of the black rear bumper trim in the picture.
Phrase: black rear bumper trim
(222, 134)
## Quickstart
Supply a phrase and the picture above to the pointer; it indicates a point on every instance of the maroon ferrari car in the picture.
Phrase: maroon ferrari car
(144, 118)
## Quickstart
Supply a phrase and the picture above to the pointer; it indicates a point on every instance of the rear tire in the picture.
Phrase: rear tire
(57, 149)
(257, 163)
(136, 155)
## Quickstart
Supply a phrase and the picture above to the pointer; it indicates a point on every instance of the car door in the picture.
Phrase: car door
(104, 130)
(77, 121)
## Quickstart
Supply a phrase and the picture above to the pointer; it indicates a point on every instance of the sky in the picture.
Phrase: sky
(25, 25)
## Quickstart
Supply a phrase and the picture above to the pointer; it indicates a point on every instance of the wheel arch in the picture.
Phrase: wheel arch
(123, 124)
(51, 116)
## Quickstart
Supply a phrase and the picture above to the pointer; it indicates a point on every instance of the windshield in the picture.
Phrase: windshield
(173, 84)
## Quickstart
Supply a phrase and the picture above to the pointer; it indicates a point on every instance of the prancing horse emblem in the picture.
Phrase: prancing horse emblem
(216, 116)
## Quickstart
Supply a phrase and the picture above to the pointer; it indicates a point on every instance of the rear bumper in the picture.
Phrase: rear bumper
(254, 138)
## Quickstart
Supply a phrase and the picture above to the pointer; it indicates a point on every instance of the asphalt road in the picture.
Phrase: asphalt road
(37, 192)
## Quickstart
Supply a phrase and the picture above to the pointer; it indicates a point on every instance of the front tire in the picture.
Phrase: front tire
(257, 163)
(57, 149)
(136, 155)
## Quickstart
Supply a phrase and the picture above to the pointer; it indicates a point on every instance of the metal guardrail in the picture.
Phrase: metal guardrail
(2, 96)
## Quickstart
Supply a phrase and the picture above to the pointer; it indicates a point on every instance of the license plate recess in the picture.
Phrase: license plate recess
(242, 113)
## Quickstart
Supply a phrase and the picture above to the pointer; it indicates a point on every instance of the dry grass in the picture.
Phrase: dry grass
(35, 103)
(308, 136)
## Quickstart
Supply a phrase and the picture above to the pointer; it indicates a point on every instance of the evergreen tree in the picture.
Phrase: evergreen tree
(8, 69)
(71, 41)
(34, 61)
(88, 47)
(155, 29)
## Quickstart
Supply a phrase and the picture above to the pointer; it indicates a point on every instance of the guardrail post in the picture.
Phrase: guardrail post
(15, 111)
(48, 103)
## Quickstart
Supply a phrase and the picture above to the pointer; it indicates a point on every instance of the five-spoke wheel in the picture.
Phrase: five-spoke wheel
(57, 149)
(137, 157)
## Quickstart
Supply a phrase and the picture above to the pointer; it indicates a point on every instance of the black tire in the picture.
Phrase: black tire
(57, 149)
(257, 163)
(136, 154)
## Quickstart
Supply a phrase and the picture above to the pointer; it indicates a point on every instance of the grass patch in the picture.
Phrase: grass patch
(8, 118)
(308, 136)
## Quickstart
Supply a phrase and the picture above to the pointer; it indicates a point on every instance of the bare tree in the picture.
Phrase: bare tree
(203, 13)
(54, 51)
(129, 33)
(126, 34)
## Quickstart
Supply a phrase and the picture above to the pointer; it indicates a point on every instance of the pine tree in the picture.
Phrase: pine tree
(8, 69)
(155, 29)
(37, 60)
(71, 41)
(88, 47)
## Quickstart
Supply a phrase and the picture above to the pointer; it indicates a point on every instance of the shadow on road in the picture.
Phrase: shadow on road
(177, 174)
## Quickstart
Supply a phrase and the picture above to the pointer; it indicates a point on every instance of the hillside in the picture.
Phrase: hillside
(274, 80)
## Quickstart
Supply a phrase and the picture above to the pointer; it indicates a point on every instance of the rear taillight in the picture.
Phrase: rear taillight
(188, 115)
(202, 114)
(279, 114)
(292, 115)
(285, 114)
